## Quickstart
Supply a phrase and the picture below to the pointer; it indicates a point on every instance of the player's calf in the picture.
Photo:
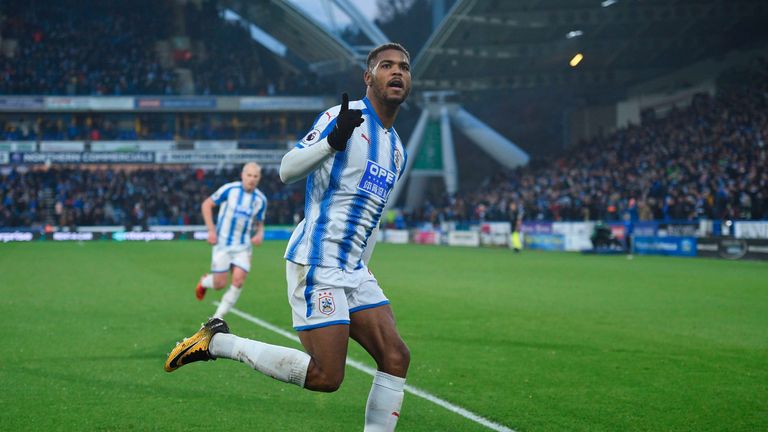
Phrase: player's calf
(228, 301)
(205, 282)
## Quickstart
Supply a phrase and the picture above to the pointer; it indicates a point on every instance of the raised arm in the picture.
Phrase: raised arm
(299, 162)
(316, 147)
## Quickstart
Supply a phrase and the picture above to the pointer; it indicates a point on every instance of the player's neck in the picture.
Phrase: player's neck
(386, 112)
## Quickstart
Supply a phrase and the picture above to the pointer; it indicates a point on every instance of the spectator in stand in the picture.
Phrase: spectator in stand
(69, 47)
(77, 197)
(705, 161)
(109, 47)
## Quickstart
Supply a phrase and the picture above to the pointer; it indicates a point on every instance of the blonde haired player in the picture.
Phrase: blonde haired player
(239, 226)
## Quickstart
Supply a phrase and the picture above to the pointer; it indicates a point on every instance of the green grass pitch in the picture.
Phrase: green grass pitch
(533, 341)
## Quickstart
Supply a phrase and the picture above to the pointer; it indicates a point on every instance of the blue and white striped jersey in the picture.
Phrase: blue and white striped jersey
(237, 211)
(347, 192)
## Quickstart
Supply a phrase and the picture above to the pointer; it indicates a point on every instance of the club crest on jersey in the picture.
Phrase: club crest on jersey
(398, 158)
(325, 302)
(312, 137)
(377, 180)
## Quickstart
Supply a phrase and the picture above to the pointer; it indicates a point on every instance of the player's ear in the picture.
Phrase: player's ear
(368, 78)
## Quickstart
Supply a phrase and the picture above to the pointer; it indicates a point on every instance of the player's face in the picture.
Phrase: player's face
(390, 77)
(251, 176)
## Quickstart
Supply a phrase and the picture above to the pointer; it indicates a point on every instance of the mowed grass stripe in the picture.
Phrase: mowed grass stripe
(372, 372)
(535, 341)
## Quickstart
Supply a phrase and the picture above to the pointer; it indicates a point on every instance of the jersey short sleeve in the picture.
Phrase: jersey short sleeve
(323, 126)
(260, 214)
(222, 193)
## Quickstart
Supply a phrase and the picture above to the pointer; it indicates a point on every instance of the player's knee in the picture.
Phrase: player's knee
(397, 359)
(324, 380)
(329, 386)
(328, 383)
(219, 282)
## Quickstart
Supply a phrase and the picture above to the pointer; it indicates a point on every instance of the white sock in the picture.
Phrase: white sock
(207, 281)
(281, 363)
(227, 301)
(384, 401)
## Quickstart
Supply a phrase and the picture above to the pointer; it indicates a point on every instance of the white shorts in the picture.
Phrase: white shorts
(324, 296)
(223, 258)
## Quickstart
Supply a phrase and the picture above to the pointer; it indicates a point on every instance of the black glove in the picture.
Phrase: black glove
(346, 122)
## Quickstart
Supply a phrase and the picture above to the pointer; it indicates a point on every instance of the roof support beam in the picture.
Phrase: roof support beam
(621, 13)
(523, 50)
(370, 29)
(540, 79)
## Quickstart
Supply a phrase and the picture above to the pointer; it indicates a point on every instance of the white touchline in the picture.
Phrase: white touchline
(372, 372)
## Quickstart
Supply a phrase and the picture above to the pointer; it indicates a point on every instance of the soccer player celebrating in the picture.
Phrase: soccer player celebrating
(241, 211)
(351, 159)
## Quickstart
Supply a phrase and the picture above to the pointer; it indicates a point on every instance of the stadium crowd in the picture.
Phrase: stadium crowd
(75, 48)
(109, 47)
(279, 126)
(227, 66)
(707, 161)
(70, 197)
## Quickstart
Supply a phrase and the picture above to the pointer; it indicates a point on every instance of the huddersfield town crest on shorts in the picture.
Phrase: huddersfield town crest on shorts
(327, 305)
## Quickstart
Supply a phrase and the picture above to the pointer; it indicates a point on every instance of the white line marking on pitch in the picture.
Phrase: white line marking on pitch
(372, 372)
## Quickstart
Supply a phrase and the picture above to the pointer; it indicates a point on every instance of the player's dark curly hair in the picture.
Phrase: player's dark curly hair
(387, 46)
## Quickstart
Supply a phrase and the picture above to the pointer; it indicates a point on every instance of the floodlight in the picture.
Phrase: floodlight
(573, 34)
(576, 59)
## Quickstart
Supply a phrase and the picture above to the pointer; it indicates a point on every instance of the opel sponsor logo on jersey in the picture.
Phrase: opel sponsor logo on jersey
(377, 180)
(312, 137)
(242, 211)
(326, 305)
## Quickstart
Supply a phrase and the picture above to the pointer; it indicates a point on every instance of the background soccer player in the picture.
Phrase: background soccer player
(351, 158)
(242, 208)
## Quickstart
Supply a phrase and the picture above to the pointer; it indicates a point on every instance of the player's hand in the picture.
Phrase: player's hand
(212, 238)
(346, 122)
(257, 239)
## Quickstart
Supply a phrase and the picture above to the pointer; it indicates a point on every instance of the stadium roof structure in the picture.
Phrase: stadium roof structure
(305, 37)
(497, 44)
